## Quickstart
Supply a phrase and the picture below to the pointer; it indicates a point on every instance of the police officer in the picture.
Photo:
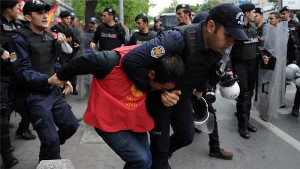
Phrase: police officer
(183, 14)
(65, 17)
(200, 46)
(258, 21)
(293, 51)
(143, 35)
(208, 94)
(109, 34)
(274, 18)
(32, 56)
(9, 13)
(157, 25)
(244, 63)
(66, 27)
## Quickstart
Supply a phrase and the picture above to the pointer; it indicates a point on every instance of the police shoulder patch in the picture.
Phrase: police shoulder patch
(158, 51)
(13, 57)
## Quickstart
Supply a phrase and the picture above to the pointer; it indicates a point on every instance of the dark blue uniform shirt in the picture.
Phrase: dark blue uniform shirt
(136, 62)
(22, 69)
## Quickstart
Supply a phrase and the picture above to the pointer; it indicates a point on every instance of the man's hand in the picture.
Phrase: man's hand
(92, 46)
(68, 88)
(170, 98)
(60, 38)
(56, 82)
(229, 73)
(197, 94)
(265, 59)
(5, 56)
(76, 45)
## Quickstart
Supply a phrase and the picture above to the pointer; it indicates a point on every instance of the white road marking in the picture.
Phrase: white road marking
(277, 131)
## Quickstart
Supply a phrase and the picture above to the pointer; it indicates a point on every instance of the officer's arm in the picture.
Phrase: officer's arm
(132, 40)
(96, 35)
(99, 64)
(1, 51)
(21, 63)
(123, 34)
(136, 62)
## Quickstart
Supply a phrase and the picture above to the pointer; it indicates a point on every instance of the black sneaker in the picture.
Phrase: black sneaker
(25, 134)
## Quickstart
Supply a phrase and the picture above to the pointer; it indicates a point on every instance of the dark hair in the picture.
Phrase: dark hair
(276, 14)
(168, 68)
(142, 16)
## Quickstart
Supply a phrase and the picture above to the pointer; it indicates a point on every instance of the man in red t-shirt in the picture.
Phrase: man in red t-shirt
(116, 107)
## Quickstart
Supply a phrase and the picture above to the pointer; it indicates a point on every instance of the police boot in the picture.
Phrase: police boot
(9, 160)
(295, 112)
(160, 164)
(75, 92)
(243, 126)
(250, 127)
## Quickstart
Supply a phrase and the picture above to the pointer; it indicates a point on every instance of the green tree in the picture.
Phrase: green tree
(208, 5)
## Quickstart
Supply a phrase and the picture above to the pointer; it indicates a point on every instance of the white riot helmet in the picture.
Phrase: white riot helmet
(203, 119)
(291, 71)
(229, 88)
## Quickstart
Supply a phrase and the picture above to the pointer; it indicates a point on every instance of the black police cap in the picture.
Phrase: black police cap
(64, 14)
(72, 14)
(285, 8)
(247, 7)
(259, 10)
(35, 6)
(110, 10)
(142, 16)
(231, 17)
(157, 19)
(93, 20)
(8, 3)
(184, 6)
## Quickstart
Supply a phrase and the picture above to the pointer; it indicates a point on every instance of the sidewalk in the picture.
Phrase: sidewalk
(85, 149)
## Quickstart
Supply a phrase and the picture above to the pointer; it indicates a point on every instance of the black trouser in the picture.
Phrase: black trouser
(247, 73)
(180, 117)
(214, 144)
(19, 105)
(5, 113)
(297, 99)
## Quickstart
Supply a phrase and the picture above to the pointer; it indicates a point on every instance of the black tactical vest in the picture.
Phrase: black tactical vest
(41, 50)
(246, 50)
(199, 64)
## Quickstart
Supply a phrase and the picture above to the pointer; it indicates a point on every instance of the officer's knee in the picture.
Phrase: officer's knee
(187, 139)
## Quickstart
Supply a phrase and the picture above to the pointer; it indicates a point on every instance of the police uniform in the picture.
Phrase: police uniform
(244, 63)
(293, 54)
(200, 64)
(139, 38)
(6, 29)
(33, 59)
(109, 37)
